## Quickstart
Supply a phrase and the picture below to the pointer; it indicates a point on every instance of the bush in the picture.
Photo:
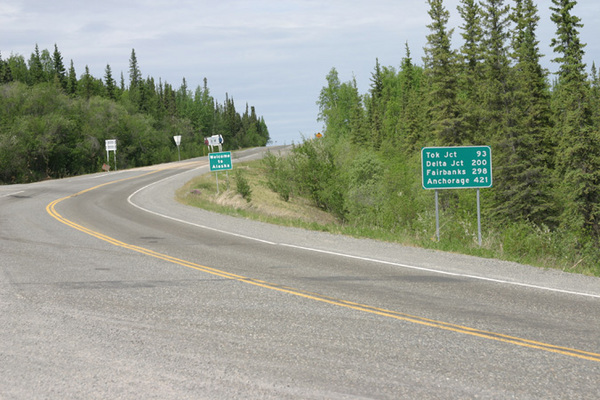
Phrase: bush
(279, 176)
(242, 185)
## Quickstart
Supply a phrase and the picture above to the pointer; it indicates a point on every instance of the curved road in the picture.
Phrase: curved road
(111, 289)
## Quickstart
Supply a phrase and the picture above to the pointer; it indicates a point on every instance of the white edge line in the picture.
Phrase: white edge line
(333, 253)
(12, 194)
(187, 222)
(407, 266)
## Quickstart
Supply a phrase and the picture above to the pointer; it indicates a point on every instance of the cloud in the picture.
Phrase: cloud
(273, 54)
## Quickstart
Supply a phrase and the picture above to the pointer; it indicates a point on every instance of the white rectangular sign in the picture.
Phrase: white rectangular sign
(177, 139)
(111, 145)
(215, 140)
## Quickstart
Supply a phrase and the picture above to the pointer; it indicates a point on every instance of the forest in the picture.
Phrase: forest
(544, 132)
(54, 123)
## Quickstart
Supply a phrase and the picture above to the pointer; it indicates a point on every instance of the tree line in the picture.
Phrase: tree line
(544, 131)
(53, 123)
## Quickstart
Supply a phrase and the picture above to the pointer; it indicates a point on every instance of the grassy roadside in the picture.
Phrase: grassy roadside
(267, 206)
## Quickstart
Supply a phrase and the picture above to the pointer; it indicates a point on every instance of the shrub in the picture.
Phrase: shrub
(242, 185)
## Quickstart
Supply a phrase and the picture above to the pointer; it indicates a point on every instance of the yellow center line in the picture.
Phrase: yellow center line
(51, 209)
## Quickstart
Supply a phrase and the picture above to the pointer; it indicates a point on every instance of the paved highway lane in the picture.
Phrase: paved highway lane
(109, 288)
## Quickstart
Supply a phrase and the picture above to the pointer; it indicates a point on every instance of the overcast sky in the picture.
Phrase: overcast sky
(271, 54)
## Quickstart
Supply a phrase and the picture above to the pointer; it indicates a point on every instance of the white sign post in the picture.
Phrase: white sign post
(178, 142)
(111, 145)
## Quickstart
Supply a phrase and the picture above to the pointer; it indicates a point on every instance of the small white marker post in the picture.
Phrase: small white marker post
(177, 139)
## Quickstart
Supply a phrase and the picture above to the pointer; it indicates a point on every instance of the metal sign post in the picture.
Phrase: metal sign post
(437, 216)
(461, 167)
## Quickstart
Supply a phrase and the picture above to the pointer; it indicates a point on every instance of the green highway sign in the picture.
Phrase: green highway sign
(220, 161)
(461, 167)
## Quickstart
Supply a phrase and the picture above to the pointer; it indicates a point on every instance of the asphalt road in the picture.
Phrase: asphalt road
(109, 288)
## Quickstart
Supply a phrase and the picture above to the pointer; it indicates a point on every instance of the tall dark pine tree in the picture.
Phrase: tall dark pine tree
(578, 150)
(595, 96)
(470, 75)
(522, 191)
(72, 80)
(86, 84)
(135, 75)
(441, 69)
(59, 68)
(136, 84)
(376, 106)
(36, 69)
(109, 83)
(412, 106)
(496, 67)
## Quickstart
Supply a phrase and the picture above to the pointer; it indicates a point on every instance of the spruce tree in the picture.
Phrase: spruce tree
(109, 83)
(524, 151)
(135, 75)
(59, 67)
(411, 122)
(578, 150)
(3, 70)
(36, 69)
(470, 75)
(85, 83)
(441, 69)
(376, 107)
(595, 96)
(135, 82)
(496, 67)
(72, 80)
(358, 126)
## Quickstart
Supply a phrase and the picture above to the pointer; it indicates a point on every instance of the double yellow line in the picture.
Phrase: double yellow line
(51, 209)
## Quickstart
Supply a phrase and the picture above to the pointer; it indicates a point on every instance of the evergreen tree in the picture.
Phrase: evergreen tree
(595, 96)
(410, 122)
(442, 70)
(358, 123)
(407, 79)
(578, 150)
(524, 152)
(136, 87)
(109, 83)
(496, 91)
(567, 43)
(86, 84)
(59, 67)
(376, 106)
(470, 75)
(205, 106)
(36, 69)
(5, 75)
(135, 75)
(72, 80)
